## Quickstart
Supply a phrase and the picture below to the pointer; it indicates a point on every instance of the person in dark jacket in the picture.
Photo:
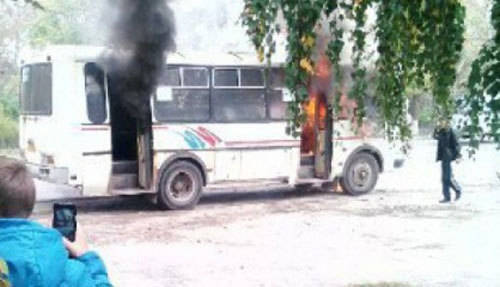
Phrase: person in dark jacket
(34, 255)
(448, 150)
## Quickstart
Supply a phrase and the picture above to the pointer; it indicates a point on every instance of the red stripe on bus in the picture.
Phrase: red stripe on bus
(232, 143)
(160, 127)
(104, 128)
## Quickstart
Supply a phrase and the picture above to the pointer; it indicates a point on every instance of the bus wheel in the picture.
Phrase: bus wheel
(180, 186)
(360, 175)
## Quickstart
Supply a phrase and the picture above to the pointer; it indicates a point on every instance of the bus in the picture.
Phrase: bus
(214, 120)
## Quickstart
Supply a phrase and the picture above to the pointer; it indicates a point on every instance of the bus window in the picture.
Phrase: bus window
(94, 91)
(185, 106)
(226, 78)
(183, 103)
(171, 77)
(36, 89)
(252, 78)
(278, 95)
(238, 106)
(277, 107)
(195, 77)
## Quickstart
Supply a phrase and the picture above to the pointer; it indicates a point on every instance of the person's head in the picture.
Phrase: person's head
(17, 189)
(444, 123)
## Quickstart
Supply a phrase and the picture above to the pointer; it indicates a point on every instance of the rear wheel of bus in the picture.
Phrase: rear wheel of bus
(181, 185)
(361, 174)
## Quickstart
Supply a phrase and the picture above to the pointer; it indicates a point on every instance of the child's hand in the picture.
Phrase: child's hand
(78, 247)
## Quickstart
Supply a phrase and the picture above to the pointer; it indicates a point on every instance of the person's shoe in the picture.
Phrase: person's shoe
(458, 195)
(445, 200)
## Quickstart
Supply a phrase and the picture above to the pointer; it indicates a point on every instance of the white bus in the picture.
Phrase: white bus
(215, 120)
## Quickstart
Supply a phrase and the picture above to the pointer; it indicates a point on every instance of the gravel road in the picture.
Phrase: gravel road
(283, 237)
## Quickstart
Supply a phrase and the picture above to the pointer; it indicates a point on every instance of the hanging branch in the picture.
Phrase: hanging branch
(335, 47)
(482, 100)
(358, 91)
(418, 41)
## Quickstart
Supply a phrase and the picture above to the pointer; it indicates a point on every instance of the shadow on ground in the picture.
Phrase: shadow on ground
(211, 197)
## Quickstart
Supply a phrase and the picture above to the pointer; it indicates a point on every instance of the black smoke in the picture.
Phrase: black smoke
(142, 33)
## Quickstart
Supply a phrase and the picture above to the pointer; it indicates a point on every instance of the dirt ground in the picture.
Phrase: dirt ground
(397, 234)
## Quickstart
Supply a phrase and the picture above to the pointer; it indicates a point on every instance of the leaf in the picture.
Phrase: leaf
(305, 64)
(308, 41)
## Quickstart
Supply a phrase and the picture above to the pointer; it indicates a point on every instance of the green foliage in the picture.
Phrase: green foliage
(358, 91)
(8, 130)
(9, 90)
(63, 22)
(409, 52)
(335, 47)
(482, 99)
(9, 112)
(301, 17)
(55, 25)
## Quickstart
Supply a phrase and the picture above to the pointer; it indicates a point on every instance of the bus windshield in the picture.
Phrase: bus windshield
(36, 89)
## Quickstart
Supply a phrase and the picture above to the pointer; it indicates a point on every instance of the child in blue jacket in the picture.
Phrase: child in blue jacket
(31, 254)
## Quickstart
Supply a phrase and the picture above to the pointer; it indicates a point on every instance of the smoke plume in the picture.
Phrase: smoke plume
(142, 32)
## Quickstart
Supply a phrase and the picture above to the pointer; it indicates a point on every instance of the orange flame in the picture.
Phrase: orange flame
(316, 106)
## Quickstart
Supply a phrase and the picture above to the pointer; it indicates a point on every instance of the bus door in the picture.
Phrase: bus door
(316, 138)
(322, 138)
(145, 151)
(131, 143)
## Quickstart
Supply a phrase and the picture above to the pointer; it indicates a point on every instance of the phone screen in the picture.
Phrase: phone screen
(64, 220)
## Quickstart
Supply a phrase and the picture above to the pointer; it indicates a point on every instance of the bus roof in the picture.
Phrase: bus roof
(220, 59)
(93, 53)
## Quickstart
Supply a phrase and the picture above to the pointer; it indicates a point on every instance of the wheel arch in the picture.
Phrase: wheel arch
(366, 148)
(184, 156)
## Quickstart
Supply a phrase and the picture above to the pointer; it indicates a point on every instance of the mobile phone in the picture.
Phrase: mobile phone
(64, 219)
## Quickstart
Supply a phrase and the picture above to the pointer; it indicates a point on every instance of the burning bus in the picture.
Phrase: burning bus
(212, 120)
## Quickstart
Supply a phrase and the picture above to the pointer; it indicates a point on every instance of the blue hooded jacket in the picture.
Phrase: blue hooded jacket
(36, 256)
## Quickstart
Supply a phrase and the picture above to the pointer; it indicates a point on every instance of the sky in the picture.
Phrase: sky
(210, 25)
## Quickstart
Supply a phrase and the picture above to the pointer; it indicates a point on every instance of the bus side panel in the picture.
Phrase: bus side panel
(232, 151)
(96, 163)
(342, 149)
(293, 164)
(228, 165)
(96, 175)
(345, 141)
(265, 163)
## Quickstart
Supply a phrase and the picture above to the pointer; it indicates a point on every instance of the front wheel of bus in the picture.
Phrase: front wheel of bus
(360, 175)
(180, 186)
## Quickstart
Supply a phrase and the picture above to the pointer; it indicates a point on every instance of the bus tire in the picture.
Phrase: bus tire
(181, 185)
(360, 175)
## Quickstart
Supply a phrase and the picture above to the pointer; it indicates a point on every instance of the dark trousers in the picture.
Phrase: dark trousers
(448, 179)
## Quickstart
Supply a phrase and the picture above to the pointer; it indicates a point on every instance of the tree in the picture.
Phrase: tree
(418, 42)
(477, 29)
(482, 98)
(66, 22)
(12, 23)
